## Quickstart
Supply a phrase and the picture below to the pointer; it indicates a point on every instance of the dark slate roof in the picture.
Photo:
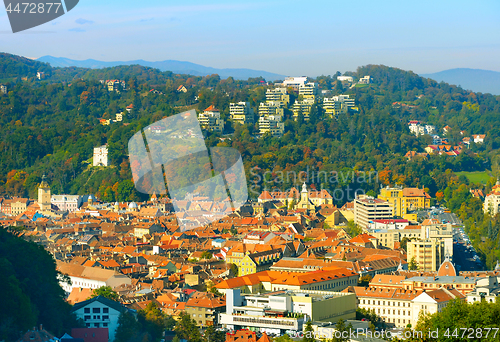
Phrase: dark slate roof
(110, 303)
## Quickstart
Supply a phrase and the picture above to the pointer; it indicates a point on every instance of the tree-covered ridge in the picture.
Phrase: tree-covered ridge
(30, 291)
(51, 127)
(12, 67)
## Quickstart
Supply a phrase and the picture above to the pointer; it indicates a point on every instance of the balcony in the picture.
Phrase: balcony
(262, 321)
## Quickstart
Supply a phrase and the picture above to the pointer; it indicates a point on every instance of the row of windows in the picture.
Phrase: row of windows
(85, 285)
(399, 320)
(97, 325)
(325, 286)
(95, 317)
(262, 321)
(400, 312)
(389, 303)
(96, 310)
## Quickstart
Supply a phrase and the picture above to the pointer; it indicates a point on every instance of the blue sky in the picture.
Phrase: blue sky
(285, 37)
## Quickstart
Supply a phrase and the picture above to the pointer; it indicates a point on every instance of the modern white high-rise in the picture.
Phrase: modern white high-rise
(367, 209)
(241, 112)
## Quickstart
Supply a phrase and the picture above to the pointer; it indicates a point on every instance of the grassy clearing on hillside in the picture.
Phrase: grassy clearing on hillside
(476, 177)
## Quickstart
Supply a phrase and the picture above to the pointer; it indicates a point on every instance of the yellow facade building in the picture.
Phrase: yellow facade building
(404, 200)
(429, 254)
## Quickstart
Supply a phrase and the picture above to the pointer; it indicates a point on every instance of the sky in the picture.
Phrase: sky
(291, 38)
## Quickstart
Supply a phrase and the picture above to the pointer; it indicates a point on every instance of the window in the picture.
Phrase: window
(104, 325)
(105, 310)
(96, 325)
(96, 310)
(86, 310)
(105, 318)
(86, 318)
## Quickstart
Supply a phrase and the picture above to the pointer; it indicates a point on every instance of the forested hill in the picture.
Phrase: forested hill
(50, 126)
(12, 67)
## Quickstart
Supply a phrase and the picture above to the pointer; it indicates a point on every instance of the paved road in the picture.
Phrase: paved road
(464, 256)
(448, 217)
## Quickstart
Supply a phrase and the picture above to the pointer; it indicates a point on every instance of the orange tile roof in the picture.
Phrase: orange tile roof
(211, 109)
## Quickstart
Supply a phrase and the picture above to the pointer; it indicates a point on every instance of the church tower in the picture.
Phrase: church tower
(44, 195)
(304, 195)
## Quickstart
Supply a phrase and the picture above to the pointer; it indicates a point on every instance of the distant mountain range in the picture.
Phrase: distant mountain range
(177, 67)
(484, 81)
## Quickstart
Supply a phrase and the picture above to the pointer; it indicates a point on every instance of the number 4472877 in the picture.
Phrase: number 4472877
(27, 7)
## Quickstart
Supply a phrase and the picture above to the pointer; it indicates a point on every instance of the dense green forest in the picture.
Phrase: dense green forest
(50, 126)
(30, 291)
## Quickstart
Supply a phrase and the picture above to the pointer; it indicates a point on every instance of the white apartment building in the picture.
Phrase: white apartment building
(308, 90)
(419, 129)
(271, 108)
(119, 117)
(345, 78)
(368, 209)
(336, 105)
(285, 311)
(210, 120)
(3, 89)
(387, 237)
(100, 312)
(100, 156)
(303, 107)
(492, 200)
(278, 95)
(241, 112)
(365, 80)
(90, 277)
(294, 82)
(271, 124)
(332, 107)
(430, 129)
